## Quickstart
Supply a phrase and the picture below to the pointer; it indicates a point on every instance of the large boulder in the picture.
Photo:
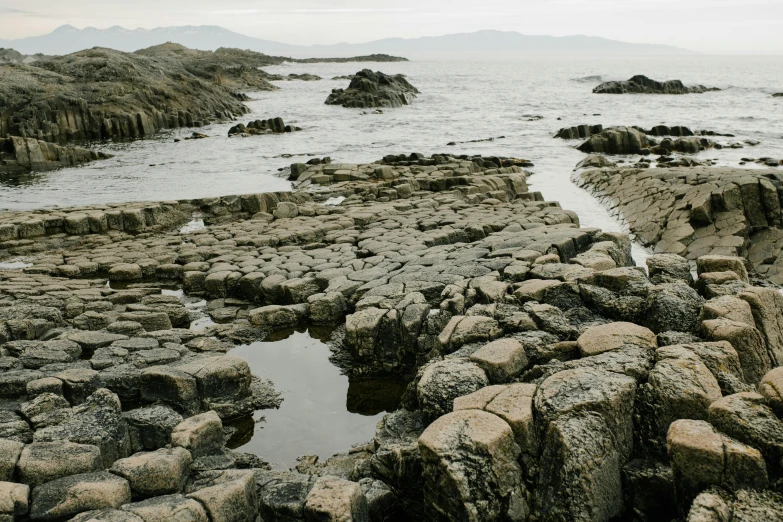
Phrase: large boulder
(443, 381)
(334, 499)
(702, 457)
(397, 460)
(746, 340)
(68, 496)
(168, 507)
(14, 501)
(154, 473)
(42, 462)
(747, 418)
(514, 404)
(201, 434)
(771, 388)
(227, 496)
(609, 394)
(617, 140)
(580, 479)
(679, 386)
(611, 336)
(98, 422)
(470, 469)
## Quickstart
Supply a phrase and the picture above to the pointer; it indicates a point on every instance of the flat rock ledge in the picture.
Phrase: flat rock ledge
(550, 378)
(640, 84)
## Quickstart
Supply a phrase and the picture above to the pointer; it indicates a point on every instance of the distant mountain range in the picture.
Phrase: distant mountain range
(499, 44)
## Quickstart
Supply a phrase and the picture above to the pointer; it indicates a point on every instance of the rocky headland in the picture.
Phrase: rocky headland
(551, 379)
(640, 84)
(370, 89)
(380, 58)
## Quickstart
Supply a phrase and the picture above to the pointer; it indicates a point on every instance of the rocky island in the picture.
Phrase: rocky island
(643, 85)
(550, 378)
(369, 89)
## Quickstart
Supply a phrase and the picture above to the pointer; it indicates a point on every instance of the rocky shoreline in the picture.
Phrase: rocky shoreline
(552, 379)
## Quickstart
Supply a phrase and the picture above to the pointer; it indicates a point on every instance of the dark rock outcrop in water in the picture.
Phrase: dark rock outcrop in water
(617, 140)
(778, 95)
(579, 131)
(102, 94)
(631, 140)
(369, 89)
(552, 380)
(20, 155)
(585, 131)
(270, 126)
(643, 85)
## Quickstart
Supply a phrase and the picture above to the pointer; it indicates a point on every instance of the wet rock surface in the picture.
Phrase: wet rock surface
(370, 89)
(550, 379)
(643, 85)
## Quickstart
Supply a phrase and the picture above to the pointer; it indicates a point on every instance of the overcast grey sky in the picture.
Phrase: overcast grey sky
(709, 26)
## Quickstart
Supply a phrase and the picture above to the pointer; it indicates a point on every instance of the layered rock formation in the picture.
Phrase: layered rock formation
(20, 155)
(640, 84)
(101, 94)
(370, 89)
(552, 379)
(698, 211)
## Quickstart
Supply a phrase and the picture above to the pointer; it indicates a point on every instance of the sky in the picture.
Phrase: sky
(706, 26)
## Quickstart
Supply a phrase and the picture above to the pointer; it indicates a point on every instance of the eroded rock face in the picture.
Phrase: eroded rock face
(470, 470)
(643, 85)
(369, 89)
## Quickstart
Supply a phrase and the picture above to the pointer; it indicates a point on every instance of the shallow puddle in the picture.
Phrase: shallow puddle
(322, 413)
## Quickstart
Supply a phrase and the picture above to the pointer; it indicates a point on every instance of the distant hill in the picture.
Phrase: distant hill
(498, 44)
